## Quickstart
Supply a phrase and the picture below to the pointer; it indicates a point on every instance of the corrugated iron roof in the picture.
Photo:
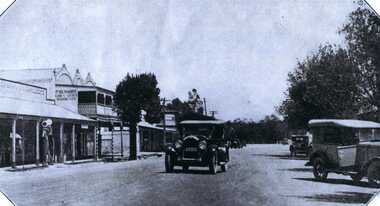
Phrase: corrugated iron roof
(39, 109)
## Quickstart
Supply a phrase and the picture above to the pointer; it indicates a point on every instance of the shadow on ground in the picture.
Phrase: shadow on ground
(340, 197)
(282, 156)
(190, 171)
(338, 182)
(298, 170)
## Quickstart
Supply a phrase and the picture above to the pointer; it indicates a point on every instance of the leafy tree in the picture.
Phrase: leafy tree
(185, 112)
(133, 94)
(269, 130)
(362, 34)
(324, 85)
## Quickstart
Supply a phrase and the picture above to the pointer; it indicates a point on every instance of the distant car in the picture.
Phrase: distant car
(236, 143)
(202, 143)
(300, 144)
(348, 147)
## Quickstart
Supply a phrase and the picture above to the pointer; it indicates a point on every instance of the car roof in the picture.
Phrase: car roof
(351, 123)
(218, 122)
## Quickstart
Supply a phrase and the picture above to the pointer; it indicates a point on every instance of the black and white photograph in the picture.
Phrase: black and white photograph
(190, 102)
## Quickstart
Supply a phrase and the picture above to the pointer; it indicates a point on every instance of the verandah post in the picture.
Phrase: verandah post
(14, 143)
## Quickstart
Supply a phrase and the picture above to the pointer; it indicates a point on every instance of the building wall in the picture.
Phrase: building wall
(67, 97)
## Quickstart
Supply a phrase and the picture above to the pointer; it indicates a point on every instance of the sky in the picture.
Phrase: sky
(237, 53)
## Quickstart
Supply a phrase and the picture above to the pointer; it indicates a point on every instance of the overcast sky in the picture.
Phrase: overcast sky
(236, 53)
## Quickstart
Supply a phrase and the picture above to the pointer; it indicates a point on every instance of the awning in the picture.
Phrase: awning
(151, 126)
(20, 107)
(202, 122)
(359, 124)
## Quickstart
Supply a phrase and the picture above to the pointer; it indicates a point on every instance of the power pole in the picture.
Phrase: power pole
(204, 102)
(164, 120)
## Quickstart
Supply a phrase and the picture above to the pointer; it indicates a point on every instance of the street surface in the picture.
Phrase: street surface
(257, 175)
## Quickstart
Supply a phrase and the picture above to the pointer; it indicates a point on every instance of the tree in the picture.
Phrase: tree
(185, 111)
(362, 34)
(324, 85)
(133, 94)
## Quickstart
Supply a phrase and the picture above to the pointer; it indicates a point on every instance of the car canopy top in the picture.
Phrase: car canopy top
(350, 123)
(215, 122)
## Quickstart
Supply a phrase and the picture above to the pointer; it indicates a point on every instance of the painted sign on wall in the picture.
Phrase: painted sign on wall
(66, 95)
(21, 91)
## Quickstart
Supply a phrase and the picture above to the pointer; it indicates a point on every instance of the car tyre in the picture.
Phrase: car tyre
(356, 177)
(213, 164)
(224, 167)
(319, 169)
(373, 174)
(169, 163)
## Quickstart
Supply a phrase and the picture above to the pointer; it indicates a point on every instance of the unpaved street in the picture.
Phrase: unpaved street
(258, 175)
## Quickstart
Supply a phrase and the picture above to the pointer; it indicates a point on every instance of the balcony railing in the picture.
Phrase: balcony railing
(91, 109)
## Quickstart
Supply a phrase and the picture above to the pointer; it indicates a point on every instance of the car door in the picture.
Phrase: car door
(346, 155)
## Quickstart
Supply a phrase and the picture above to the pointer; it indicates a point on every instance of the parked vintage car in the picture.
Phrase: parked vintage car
(201, 143)
(348, 147)
(300, 144)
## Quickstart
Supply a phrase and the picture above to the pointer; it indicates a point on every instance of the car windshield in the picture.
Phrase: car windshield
(204, 130)
(367, 135)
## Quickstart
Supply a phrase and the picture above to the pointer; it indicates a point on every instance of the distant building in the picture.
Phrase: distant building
(68, 95)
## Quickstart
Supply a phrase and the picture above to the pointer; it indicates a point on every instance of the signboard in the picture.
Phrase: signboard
(170, 120)
(66, 95)
(21, 91)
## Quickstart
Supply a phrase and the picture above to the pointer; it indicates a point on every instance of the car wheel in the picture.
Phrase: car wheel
(373, 174)
(213, 164)
(356, 177)
(319, 169)
(169, 163)
(224, 167)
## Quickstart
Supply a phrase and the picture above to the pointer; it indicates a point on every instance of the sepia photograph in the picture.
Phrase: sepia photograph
(190, 102)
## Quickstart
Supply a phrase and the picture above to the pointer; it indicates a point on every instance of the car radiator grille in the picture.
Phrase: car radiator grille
(190, 149)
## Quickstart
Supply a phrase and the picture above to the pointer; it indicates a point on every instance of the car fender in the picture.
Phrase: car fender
(170, 150)
(318, 154)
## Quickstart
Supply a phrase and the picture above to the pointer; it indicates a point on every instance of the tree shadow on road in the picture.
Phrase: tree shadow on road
(340, 197)
(282, 156)
(338, 182)
(190, 171)
(298, 169)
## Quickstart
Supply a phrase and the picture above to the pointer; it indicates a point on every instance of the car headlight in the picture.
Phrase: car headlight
(202, 145)
(178, 144)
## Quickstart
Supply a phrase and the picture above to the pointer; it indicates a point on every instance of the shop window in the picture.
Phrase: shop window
(87, 97)
(108, 100)
(100, 98)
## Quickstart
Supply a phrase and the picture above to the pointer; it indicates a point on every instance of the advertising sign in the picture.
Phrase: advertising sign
(21, 91)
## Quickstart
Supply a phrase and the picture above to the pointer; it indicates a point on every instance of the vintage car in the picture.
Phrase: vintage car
(348, 147)
(300, 144)
(201, 143)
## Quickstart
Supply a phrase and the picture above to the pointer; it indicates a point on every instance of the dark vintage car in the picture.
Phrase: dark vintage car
(202, 143)
(300, 144)
(348, 147)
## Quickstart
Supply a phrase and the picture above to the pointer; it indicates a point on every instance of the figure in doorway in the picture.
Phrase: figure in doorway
(47, 132)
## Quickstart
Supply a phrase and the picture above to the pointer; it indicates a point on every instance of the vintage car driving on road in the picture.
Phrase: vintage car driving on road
(300, 144)
(202, 143)
(348, 147)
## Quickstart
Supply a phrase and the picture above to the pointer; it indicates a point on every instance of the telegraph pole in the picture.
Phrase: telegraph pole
(204, 102)
(164, 120)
